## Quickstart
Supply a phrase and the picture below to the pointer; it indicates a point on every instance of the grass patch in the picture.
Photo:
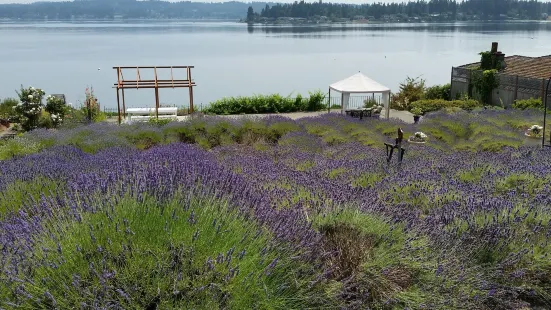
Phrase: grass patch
(476, 174)
(520, 182)
(18, 193)
(337, 172)
(373, 252)
(368, 179)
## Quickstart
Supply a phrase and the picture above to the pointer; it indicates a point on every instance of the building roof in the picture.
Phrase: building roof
(524, 66)
(359, 83)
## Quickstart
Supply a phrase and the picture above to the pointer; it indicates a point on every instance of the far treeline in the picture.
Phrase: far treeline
(126, 9)
(433, 9)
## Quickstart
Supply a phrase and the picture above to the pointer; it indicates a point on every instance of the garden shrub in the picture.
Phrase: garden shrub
(437, 104)
(411, 90)
(528, 104)
(438, 92)
(56, 109)
(274, 103)
(7, 110)
(29, 109)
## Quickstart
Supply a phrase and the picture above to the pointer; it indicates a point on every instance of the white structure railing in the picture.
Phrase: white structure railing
(144, 114)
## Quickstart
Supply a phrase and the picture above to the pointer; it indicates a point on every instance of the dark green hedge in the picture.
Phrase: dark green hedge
(528, 104)
(274, 103)
(435, 105)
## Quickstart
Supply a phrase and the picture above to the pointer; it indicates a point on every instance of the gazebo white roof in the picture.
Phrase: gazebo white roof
(359, 83)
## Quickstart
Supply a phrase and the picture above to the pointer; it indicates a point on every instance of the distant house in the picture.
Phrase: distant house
(521, 77)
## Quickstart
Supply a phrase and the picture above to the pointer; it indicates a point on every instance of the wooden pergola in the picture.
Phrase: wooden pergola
(155, 83)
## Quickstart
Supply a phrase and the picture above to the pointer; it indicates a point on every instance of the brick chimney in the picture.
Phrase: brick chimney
(494, 47)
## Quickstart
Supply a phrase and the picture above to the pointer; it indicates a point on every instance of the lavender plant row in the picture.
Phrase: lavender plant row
(463, 223)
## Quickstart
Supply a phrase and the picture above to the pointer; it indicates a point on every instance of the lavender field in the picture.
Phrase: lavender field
(272, 213)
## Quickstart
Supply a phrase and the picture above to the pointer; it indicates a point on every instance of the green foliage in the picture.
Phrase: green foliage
(46, 121)
(266, 104)
(379, 256)
(434, 105)
(486, 60)
(439, 92)
(7, 108)
(150, 255)
(411, 90)
(484, 83)
(18, 193)
(368, 179)
(474, 175)
(18, 147)
(521, 183)
(532, 103)
(316, 101)
(158, 121)
(369, 103)
(417, 111)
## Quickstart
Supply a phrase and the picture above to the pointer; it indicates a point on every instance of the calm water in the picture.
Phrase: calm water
(232, 59)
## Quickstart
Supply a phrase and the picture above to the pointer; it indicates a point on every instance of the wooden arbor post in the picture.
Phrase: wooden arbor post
(156, 84)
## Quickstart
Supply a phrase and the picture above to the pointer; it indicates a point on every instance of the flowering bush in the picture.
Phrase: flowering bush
(29, 109)
(57, 109)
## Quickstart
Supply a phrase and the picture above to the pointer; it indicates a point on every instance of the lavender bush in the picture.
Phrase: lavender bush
(278, 214)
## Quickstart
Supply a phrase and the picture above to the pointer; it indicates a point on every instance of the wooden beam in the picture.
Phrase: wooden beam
(153, 86)
(123, 104)
(153, 67)
(118, 106)
(156, 95)
(190, 90)
(126, 82)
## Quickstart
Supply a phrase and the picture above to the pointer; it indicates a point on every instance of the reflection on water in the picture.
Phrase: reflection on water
(305, 30)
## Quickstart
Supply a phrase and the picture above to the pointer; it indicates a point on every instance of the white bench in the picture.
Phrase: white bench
(144, 114)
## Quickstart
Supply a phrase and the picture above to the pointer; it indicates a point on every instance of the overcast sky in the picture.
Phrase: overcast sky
(337, 1)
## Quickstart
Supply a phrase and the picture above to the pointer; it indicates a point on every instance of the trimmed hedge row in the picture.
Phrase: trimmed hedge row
(434, 105)
(528, 104)
(274, 103)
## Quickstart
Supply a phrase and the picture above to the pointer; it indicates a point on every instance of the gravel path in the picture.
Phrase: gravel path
(401, 115)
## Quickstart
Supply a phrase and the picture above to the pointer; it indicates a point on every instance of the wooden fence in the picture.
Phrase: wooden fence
(511, 87)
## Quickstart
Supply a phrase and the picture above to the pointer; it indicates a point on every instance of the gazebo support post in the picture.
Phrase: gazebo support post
(342, 102)
(156, 94)
(329, 101)
(387, 108)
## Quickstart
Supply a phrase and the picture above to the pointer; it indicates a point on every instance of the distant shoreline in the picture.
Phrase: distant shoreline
(276, 23)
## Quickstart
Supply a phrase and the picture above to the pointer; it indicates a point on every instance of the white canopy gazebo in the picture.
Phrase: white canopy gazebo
(360, 84)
